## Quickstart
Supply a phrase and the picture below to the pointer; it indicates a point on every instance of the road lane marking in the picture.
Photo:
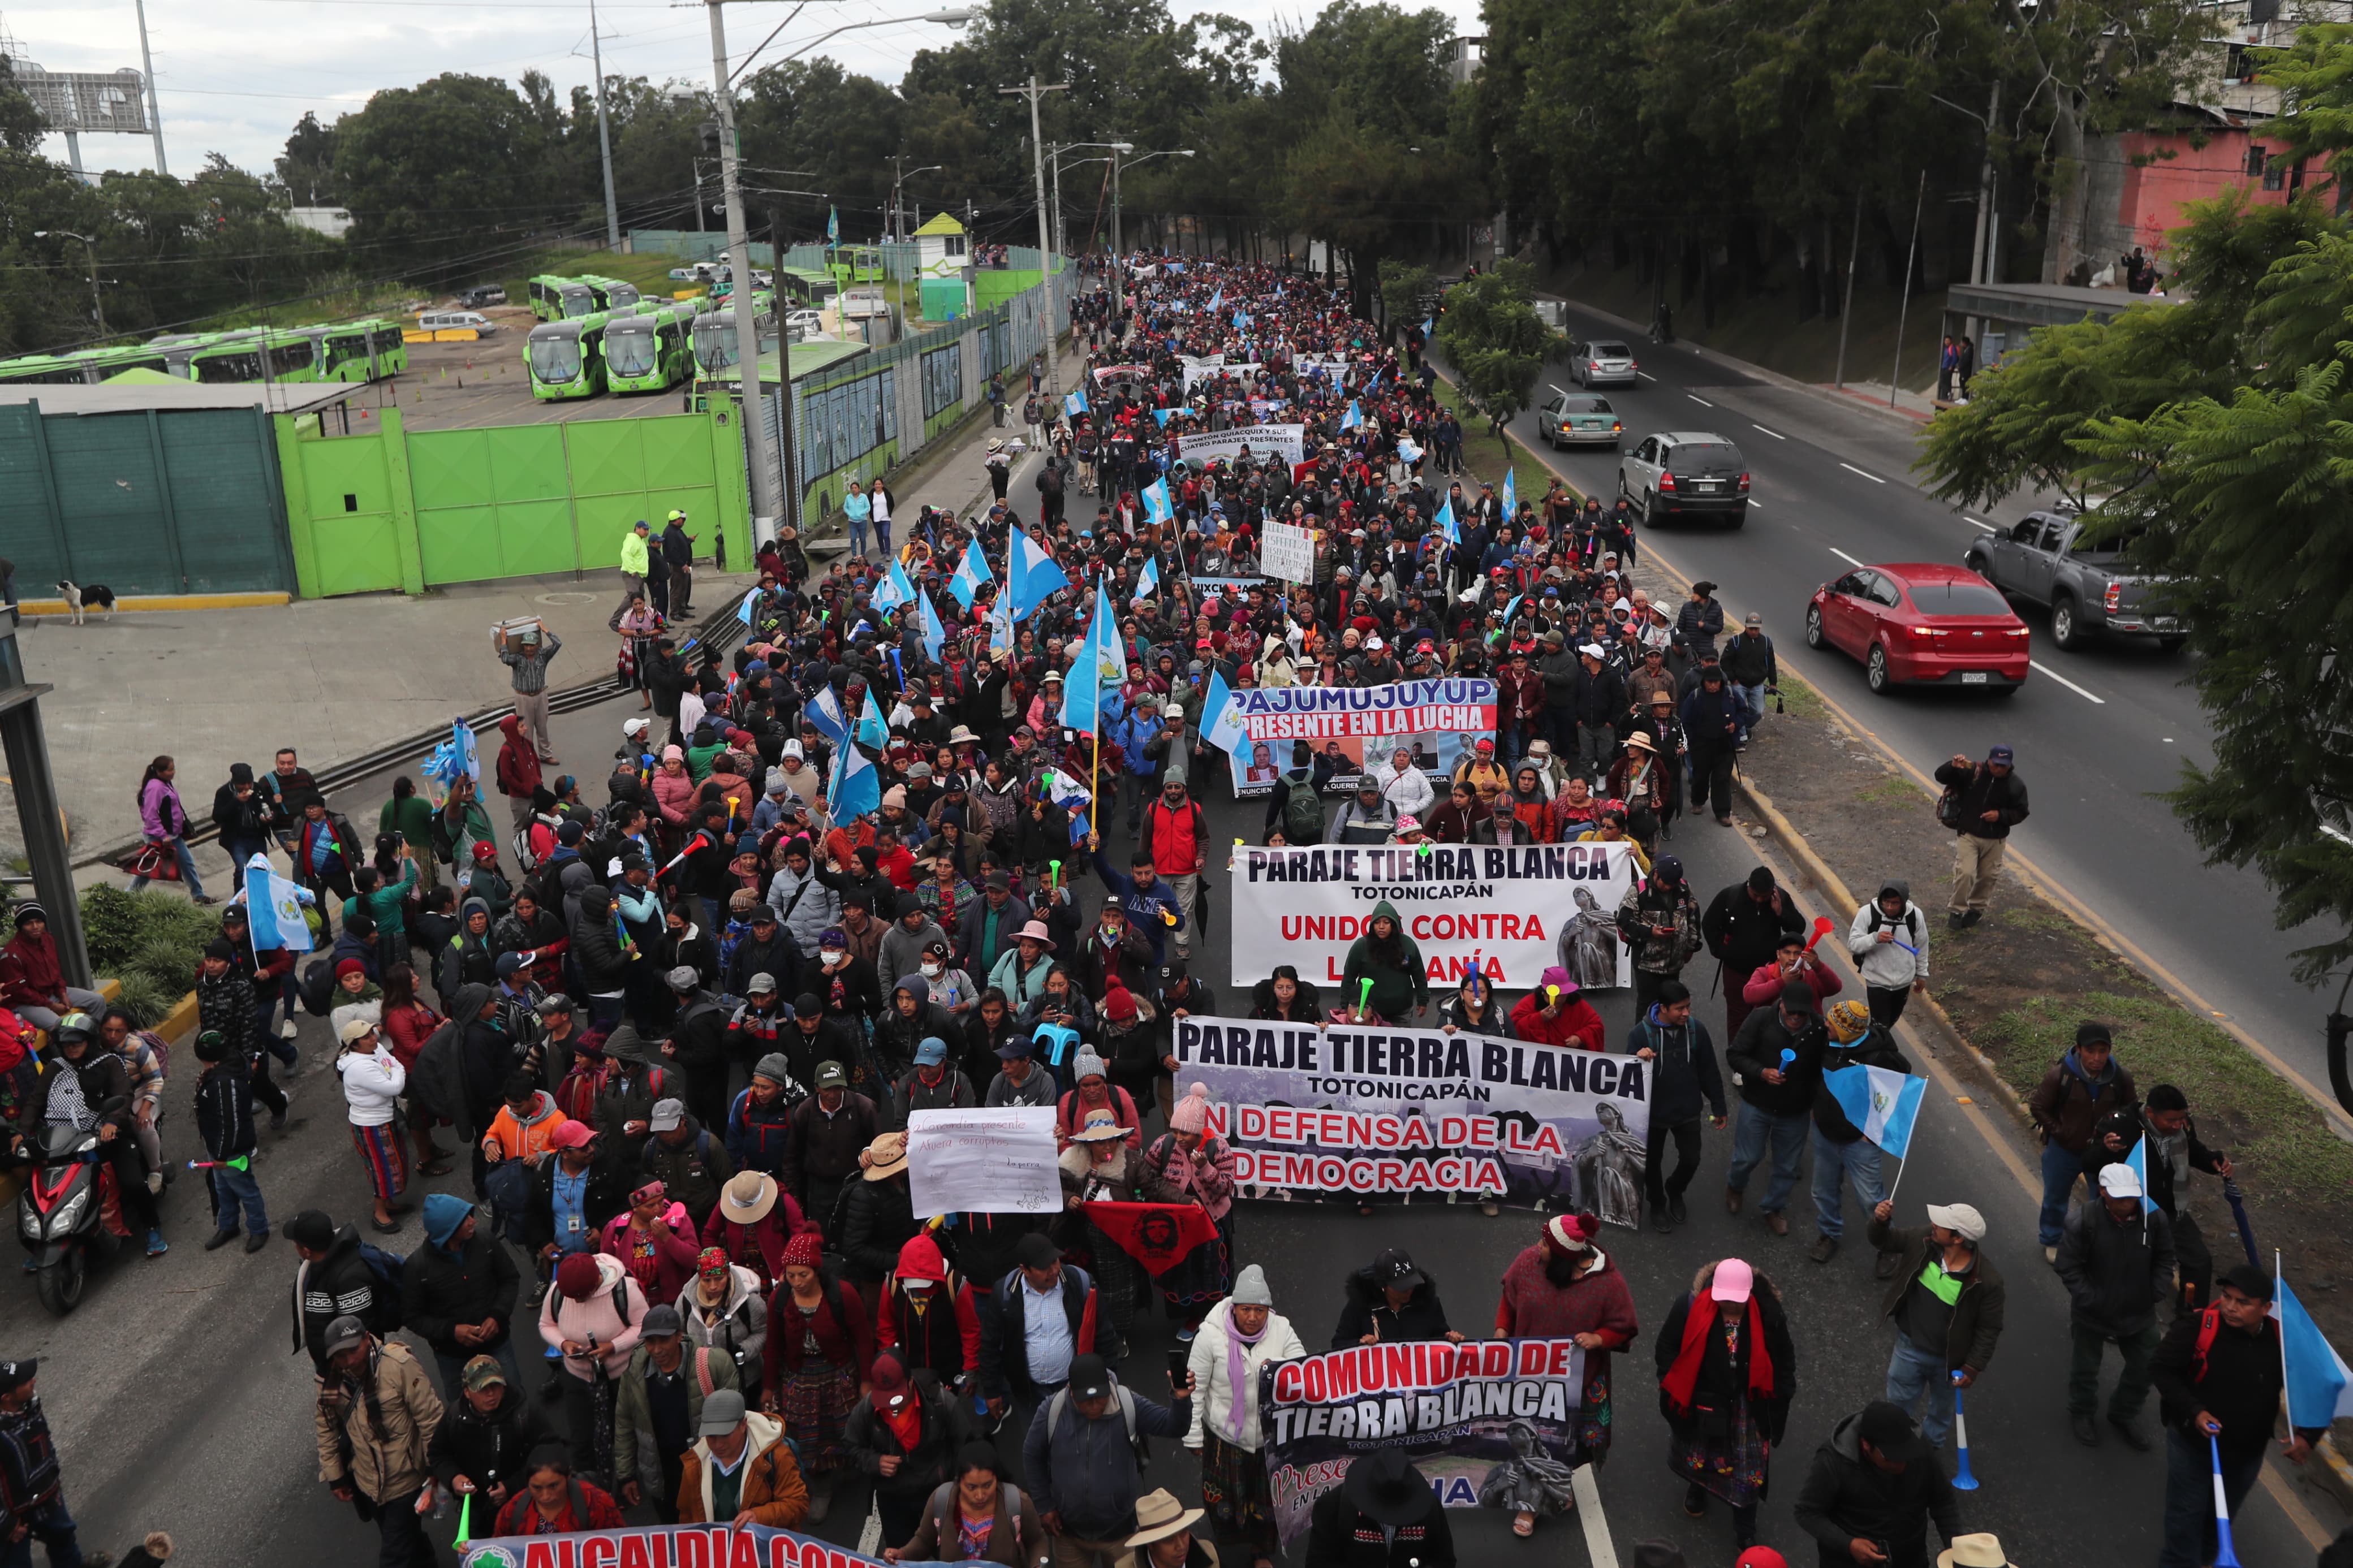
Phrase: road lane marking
(1646, 375)
(1851, 468)
(1597, 1544)
(1695, 398)
(2067, 683)
(1775, 434)
(1973, 523)
(1845, 556)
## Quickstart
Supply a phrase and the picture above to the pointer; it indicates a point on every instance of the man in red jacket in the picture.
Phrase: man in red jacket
(32, 978)
(1556, 1014)
(1177, 839)
(518, 768)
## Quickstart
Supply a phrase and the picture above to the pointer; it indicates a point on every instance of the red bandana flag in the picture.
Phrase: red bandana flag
(1158, 1235)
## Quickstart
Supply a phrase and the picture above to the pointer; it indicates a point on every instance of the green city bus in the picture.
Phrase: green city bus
(853, 264)
(556, 299)
(45, 370)
(647, 349)
(105, 364)
(807, 288)
(372, 350)
(714, 334)
(566, 359)
(612, 293)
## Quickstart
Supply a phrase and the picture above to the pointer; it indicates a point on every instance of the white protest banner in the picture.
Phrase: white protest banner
(1333, 366)
(1393, 1110)
(1208, 362)
(1288, 552)
(1195, 374)
(1511, 912)
(1288, 441)
(983, 1162)
(1349, 727)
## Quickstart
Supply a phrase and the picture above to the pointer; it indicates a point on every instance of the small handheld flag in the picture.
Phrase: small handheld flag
(971, 575)
(2319, 1384)
(1155, 501)
(1147, 583)
(1882, 1103)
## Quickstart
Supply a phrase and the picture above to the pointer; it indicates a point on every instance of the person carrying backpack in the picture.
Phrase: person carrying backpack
(1084, 1455)
(339, 1275)
(978, 1503)
(1294, 806)
(1889, 939)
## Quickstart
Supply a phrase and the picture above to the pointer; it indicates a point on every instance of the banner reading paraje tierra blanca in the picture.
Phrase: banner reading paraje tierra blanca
(1511, 912)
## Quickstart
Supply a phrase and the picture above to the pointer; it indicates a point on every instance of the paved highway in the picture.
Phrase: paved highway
(178, 1405)
(2095, 730)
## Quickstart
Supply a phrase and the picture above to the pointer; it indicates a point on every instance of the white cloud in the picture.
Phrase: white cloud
(234, 75)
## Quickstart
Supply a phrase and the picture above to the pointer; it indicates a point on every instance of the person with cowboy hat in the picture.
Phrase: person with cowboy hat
(1383, 1514)
(878, 1213)
(1164, 1534)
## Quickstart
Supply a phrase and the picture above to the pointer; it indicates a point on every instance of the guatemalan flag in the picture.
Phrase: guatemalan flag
(274, 906)
(971, 574)
(894, 591)
(1450, 530)
(1221, 716)
(1155, 501)
(1075, 404)
(1034, 578)
(2319, 1384)
(2137, 1164)
(824, 711)
(1353, 418)
(856, 787)
(1880, 1101)
(1511, 498)
(935, 635)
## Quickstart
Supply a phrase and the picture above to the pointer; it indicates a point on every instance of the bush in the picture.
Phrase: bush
(149, 942)
(147, 1003)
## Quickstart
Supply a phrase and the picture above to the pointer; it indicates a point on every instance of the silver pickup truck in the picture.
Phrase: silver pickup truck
(2045, 559)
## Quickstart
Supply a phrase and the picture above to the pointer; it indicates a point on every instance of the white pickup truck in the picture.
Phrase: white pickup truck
(2045, 558)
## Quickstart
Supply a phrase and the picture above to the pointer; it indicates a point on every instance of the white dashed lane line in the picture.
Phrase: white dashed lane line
(1695, 398)
(1845, 557)
(1851, 468)
(2067, 683)
(1775, 434)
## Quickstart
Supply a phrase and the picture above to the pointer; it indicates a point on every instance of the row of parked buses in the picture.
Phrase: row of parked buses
(644, 347)
(347, 351)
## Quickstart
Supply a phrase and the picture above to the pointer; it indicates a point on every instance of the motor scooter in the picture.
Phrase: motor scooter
(69, 1208)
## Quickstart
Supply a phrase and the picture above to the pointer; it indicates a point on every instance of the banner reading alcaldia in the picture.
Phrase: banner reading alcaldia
(1489, 1423)
(1384, 1111)
(1509, 911)
(1343, 728)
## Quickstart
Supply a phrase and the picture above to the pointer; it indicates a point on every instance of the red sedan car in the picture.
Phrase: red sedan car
(1921, 623)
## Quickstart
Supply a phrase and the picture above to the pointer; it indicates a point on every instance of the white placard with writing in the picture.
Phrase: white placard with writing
(984, 1161)
(1289, 552)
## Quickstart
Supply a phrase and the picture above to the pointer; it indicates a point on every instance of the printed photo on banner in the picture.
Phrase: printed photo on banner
(1489, 1423)
(1508, 912)
(1385, 1112)
(1349, 728)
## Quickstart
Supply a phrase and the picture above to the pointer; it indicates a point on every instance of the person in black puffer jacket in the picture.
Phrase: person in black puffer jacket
(1391, 1301)
(942, 1430)
(488, 1429)
(878, 1213)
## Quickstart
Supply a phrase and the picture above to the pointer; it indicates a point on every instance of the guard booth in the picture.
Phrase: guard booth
(943, 269)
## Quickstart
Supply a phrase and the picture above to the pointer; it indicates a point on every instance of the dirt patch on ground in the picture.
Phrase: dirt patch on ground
(2016, 986)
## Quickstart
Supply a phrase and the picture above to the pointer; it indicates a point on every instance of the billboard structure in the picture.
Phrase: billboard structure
(72, 103)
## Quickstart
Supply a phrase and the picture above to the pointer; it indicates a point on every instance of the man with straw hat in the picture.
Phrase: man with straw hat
(1164, 1534)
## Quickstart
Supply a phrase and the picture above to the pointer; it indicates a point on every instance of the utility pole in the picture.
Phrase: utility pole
(1045, 242)
(1846, 311)
(1979, 270)
(154, 105)
(604, 137)
(1054, 158)
(765, 515)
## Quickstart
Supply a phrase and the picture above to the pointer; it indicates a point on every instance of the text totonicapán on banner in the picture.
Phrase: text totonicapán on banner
(1488, 1421)
(1391, 1111)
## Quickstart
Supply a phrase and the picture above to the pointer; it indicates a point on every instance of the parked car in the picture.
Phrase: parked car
(1606, 362)
(1575, 417)
(484, 294)
(1684, 472)
(456, 320)
(2047, 559)
(1921, 623)
(807, 323)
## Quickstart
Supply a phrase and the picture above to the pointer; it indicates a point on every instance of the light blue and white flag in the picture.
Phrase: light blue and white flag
(1880, 1101)
(1035, 577)
(274, 908)
(2319, 1384)
(1083, 688)
(743, 610)
(1000, 624)
(1353, 418)
(1156, 503)
(872, 728)
(972, 574)
(833, 225)
(1219, 298)
(1148, 583)
(1063, 790)
(1511, 498)
(1242, 322)
(2137, 1164)
(1408, 450)
(1075, 404)
(1429, 326)
(1448, 529)
(935, 635)
(1513, 606)
(856, 786)
(1221, 716)
(894, 591)
(1162, 416)
(824, 709)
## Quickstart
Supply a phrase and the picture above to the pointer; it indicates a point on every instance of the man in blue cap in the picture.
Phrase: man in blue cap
(457, 1291)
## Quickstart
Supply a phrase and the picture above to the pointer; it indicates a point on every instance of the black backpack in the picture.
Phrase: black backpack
(384, 1270)
(317, 986)
(1302, 810)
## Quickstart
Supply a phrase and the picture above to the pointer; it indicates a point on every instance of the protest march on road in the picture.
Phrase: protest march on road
(785, 1146)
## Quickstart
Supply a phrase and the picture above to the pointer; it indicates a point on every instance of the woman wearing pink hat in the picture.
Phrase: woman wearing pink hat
(1565, 1286)
(1726, 1373)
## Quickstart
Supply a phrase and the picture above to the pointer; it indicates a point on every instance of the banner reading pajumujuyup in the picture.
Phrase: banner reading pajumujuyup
(1346, 728)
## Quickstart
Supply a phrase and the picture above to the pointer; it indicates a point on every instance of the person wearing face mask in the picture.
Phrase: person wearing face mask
(1063, 1005)
(952, 989)
(845, 986)
(911, 1018)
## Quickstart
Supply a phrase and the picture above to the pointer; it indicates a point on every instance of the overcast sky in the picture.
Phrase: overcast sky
(235, 74)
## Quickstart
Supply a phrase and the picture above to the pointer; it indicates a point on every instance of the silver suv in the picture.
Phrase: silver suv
(1684, 472)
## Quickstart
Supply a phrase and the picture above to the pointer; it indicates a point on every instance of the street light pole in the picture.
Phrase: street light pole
(604, 137)
(97, 307)
(154, 104)
(765, 516)
(1031, 92)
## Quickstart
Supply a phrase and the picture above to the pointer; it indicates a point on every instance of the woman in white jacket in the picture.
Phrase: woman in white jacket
(374, 1080)
(1241, 1334)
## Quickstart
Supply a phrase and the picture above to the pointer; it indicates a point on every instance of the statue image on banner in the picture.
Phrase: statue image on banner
(1609, 1169)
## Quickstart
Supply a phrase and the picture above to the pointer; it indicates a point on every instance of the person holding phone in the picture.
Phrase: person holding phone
(1874, 1485)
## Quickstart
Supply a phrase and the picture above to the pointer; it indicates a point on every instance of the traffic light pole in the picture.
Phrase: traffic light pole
(766, 515)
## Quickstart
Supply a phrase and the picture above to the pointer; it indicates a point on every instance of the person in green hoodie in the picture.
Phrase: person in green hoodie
(1391, 961)
(410, 815)
(380, 901)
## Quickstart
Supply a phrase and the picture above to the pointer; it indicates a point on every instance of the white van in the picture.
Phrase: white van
(456, 320)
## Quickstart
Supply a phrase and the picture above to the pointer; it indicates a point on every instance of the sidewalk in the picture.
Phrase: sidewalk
(331, 678)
